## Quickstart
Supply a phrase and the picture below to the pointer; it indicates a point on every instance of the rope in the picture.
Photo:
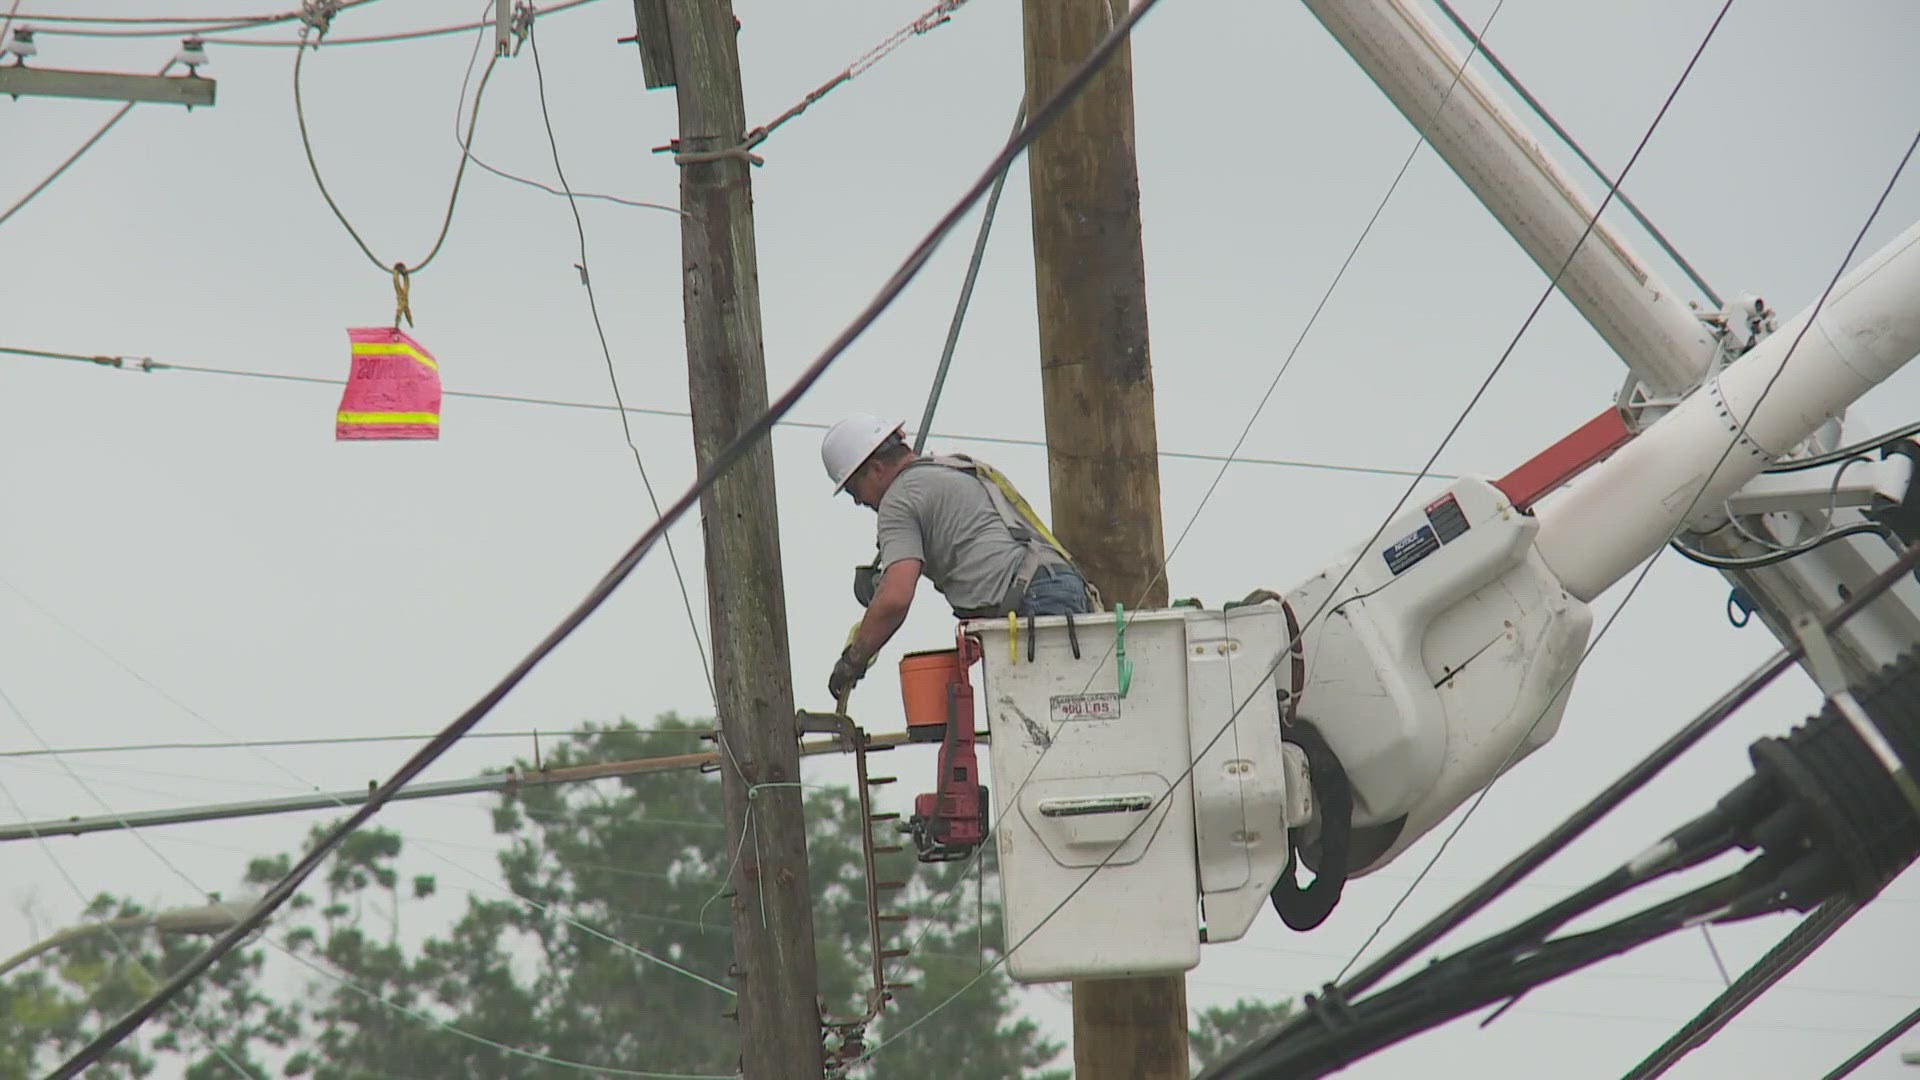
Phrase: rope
(399, 270)
(966, 295)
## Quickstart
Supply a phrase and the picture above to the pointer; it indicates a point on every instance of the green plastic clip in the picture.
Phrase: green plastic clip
(1120, 648)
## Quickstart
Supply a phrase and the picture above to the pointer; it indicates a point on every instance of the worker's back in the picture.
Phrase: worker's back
(943, 517)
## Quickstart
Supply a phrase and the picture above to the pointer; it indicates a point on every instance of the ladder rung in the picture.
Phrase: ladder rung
(890, 849)
(890, 885)
(876, 781)
(892, 917)
(889, 954)
(899, 986)
(889, 815)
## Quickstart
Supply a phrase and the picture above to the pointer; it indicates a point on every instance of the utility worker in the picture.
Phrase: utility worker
(953, 519)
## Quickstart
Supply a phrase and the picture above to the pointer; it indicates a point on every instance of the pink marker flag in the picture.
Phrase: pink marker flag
(393, 388)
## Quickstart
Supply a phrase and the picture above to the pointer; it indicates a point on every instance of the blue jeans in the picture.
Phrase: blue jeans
(1055, 590)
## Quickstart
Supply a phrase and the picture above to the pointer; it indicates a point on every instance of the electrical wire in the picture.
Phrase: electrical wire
(303, 782)
(722, 461)
(500, 1047)
(384, 39)
(342, 740)
(1772, 558)
(199, 27)
(147, 843)
(150, 20)
(60, 169)
(1779, 960)
(458, 115)
(453, 197)
(934, 17)
(613, 377)
(1456, 913)
(1160, 571)
(1784, 551)
(143, 364)
(112, 933)
(1843, 453)
(1900, 1027)
(1499, 364)
(1574, 145)
(1647, 567)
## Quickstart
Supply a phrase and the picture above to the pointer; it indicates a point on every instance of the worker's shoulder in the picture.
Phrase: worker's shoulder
(927, 480)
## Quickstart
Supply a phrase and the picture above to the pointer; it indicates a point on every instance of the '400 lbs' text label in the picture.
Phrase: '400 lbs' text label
(1063, 707)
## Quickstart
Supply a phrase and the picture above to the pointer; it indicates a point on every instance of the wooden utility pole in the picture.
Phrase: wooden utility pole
(1102, 451)
(772, 900)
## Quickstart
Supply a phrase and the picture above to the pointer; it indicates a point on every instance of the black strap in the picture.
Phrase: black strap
(1304, 909)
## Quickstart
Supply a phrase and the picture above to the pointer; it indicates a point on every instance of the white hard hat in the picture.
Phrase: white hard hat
(851, 442)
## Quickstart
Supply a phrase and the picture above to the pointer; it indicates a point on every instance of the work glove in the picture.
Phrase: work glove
(846, 672)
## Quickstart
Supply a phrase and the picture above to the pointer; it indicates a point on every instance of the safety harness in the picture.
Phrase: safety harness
(1022, 523)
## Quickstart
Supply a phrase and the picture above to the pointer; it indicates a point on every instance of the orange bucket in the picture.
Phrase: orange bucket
(925, 678)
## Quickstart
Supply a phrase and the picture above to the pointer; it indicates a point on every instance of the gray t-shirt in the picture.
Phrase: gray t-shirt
(943, 517)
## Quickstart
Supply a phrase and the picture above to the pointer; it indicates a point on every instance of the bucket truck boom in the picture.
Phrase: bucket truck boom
(1149, 765)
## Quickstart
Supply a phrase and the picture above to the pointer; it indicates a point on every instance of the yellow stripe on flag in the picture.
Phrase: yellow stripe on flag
(389, 418)
(379, 348)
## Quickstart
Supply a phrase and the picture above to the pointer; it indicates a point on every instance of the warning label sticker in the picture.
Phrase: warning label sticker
(1403, 554)
(1064, 707)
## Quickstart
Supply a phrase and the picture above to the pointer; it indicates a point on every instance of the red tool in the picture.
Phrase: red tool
(951, 821)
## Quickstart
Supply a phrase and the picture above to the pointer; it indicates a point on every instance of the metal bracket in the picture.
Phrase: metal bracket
(1848, 484)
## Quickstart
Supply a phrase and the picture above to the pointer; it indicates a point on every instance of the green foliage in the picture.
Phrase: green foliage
(606, 872)
(1218, 1031)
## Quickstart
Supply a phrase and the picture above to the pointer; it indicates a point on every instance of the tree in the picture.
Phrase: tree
(615, 880)
(1222, 1029)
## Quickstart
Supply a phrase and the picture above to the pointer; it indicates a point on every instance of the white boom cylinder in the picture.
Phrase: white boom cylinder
(1654, 331)
(1680, 470)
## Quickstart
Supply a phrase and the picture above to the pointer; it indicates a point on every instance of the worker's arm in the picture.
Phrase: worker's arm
(891, 600)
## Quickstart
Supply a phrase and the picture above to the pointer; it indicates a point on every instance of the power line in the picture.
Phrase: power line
(367, 39)
(341, 740)
(399, 269)
(613, 377)
(1880, 1042)
(724, 460)
(1313, 317)
(1218, 477)
(314, 16)
(936, 16)
(1498, 365)
(148, 20)
(587, 772)
(61, 168)
(1574, 145)
(1498, 883)
(1592, 222)
(113, 934)
(144, 364)
(126, 821)
(1785, 955)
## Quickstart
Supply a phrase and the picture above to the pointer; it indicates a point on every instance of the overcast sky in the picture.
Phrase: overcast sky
(209, 534)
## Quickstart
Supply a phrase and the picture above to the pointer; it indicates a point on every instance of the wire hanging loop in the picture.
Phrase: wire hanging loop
(402, 282)
(453, 197)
